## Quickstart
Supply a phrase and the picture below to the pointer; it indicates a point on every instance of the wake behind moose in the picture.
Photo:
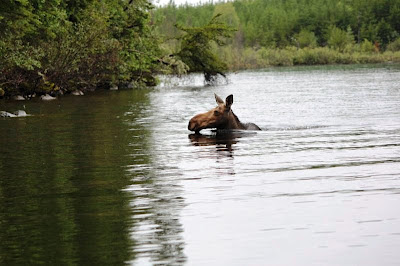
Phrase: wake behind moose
(221, 117)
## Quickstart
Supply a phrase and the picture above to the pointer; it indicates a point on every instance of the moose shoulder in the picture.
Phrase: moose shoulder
(221, 117)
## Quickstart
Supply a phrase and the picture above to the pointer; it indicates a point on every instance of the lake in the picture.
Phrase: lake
(115, 177)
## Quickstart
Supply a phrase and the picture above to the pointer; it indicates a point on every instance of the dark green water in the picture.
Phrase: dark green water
(62, 171)
(115, 178)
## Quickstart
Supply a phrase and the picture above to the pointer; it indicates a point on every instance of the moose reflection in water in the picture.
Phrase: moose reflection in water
(222, 141)
(220, 117)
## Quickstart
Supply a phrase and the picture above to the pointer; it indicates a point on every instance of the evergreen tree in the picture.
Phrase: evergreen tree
(196, 50)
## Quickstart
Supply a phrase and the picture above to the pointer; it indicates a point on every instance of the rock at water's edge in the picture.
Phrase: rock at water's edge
(6, 114)
(18, 98)
(77, 93)
(20, 113)
(114, 88)
(47, 97)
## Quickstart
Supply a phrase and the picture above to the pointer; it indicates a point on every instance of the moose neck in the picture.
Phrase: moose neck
(234, 122)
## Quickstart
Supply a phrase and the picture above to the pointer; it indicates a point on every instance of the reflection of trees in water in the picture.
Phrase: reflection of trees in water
(157, 201)
(61, 179)
(157, 230)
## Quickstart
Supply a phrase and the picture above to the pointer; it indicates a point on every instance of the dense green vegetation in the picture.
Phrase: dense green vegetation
(290, 32)
(60, 46)
(196, 51)
(53, 45)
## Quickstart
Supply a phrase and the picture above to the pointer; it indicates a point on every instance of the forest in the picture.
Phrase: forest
(295, 32)
(55, 46)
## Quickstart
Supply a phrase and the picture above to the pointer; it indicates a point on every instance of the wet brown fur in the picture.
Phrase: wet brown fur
(221, 117)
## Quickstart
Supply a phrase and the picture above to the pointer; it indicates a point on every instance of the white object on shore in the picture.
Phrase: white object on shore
(19, 113)
(6, 114)
(77, 93)
(18, 98)
(47, 97)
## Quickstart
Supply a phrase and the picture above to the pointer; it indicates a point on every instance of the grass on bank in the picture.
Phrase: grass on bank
(251, 58)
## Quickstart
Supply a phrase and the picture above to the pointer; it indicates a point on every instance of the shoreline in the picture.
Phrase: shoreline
(232, 70)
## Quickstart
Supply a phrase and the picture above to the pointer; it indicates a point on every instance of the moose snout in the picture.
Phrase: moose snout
(192, 125)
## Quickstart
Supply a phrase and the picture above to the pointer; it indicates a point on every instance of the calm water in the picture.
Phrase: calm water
(116, 177)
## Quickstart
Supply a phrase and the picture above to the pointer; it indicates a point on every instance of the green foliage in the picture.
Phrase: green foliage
(274, 23)
(50, 45)
(227, 14)
(394, 46)
(84, 56)
(306, 38)
(367, 47)
(289, 56)
(196, 46)
(339, 39)
(15, 54)
(277, 57)
(316, 56)
(53, 45)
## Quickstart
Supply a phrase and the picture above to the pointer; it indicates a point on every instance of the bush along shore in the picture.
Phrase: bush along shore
(56, 47)
(251, 58)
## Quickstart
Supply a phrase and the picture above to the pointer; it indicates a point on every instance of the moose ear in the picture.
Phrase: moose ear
(229, 101)
(218, 99)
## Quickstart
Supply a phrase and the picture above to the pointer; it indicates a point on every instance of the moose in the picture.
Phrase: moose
(221, 117)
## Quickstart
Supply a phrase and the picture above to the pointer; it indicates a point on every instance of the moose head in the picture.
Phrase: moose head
(220, 117)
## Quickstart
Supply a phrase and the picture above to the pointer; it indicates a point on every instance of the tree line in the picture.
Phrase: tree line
(60, 46)
(279, 23)
(289, 32)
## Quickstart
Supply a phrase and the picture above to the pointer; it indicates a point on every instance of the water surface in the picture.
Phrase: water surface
(116, 177)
